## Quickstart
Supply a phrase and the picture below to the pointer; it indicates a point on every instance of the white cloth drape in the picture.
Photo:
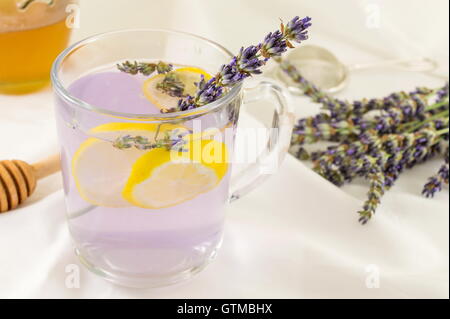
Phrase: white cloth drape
(297, 235)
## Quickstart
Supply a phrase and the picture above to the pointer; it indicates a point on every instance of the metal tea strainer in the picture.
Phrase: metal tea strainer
(322, 68)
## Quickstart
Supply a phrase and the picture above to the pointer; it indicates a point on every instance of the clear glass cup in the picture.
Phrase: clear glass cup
(32, 34)
(136, 245)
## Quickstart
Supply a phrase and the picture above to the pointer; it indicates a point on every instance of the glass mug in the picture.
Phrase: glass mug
(32, 34)
(172, 226)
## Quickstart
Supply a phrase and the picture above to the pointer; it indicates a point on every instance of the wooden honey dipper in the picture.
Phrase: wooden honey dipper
(18, 180)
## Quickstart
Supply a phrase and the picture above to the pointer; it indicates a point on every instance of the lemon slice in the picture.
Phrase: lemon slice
(189, 76)
(163, 178)
(100, 171)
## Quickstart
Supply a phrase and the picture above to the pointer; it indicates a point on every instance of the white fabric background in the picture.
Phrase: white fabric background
(297, 235)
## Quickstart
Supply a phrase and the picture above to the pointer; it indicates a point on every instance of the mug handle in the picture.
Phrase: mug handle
(270, 159)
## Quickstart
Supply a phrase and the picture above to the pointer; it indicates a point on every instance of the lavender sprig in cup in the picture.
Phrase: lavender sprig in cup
(247, 63)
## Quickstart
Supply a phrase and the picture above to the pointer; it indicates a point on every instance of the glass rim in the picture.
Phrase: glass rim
(61, 90)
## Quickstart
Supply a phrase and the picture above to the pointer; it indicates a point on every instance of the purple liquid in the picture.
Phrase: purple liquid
(131, 245)
(114, 91)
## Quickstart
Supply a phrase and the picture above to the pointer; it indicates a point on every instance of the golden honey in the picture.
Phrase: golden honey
(29, 43)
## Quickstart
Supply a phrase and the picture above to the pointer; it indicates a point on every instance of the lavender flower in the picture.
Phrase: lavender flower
(248, 60)
(124, 142)
(229, 74)
(436, 182)
(274, 44)
(188, 103)
(208, 93)
(175, 140)
(296, 29)
(442, 93)
(172, 140)
(162, 67)
(171, 85)
(144, 68)
(376, 191)
(433, 186)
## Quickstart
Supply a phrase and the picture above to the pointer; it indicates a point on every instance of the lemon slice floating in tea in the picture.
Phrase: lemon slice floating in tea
(100, 171)
(188, 76)
(163, 178)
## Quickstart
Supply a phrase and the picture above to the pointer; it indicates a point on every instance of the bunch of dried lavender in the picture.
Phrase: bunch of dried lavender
(374, 138)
